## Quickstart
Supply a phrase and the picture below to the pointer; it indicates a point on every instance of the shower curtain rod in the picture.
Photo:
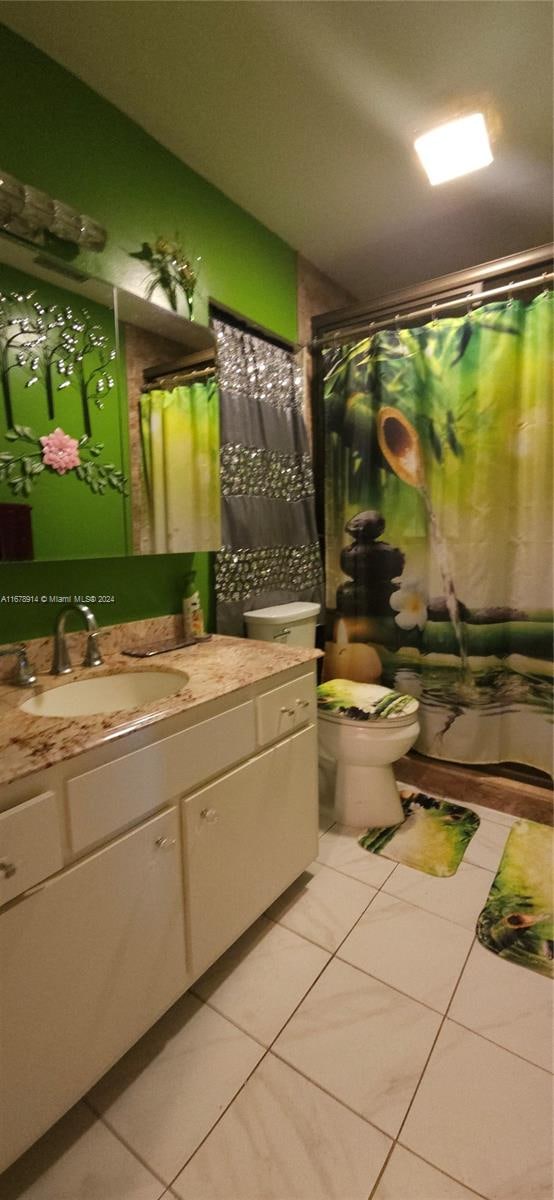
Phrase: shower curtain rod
(431, 310)
(177, 378)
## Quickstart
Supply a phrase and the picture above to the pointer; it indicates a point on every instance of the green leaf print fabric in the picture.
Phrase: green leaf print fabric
(438, 522)
(180, 454)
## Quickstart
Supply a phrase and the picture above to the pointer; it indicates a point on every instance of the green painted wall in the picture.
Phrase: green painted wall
(66, 140)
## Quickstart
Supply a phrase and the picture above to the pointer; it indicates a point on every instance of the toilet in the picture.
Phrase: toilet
(363, 729)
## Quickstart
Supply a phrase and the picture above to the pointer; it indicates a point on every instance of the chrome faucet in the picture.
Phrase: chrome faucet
(24, 675)
(61, 664)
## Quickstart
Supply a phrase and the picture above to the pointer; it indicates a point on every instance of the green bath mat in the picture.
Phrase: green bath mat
(432, 838)
(517, 921)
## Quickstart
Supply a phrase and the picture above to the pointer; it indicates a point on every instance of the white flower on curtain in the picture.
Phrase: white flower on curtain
(409, 602)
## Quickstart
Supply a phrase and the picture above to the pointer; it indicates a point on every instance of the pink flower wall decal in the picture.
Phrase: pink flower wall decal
(60, 451)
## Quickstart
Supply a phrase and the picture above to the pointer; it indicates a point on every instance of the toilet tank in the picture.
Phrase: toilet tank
(293, 624)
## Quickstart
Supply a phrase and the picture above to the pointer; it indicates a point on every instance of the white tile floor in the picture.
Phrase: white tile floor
(357, 1042)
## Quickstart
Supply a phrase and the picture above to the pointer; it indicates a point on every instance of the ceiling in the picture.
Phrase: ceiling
(305, 113)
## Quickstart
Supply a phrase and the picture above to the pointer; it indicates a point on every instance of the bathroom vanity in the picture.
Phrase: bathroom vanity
(135, 847)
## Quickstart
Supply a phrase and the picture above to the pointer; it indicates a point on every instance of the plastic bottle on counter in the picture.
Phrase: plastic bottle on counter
(193, 617)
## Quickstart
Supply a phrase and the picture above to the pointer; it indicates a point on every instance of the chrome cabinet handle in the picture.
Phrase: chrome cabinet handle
(303, 703)
(164, 843)
(288, 712)
(8, 869)
(210, 815)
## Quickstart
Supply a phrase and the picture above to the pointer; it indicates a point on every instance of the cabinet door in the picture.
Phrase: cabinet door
(247, 837)
(89, 961)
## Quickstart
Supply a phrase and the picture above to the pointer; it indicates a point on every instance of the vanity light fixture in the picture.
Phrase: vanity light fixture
(455, 148)
(30, 214)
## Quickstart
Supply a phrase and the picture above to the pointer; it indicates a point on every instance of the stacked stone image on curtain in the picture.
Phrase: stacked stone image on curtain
(270, 550)
(438, 481)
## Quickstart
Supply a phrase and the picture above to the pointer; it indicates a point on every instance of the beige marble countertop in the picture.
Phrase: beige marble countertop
(211, 669)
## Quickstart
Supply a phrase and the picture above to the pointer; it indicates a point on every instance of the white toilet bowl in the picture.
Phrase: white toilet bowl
(364, 747)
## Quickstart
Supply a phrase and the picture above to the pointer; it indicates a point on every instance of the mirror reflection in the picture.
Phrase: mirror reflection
(109, 419)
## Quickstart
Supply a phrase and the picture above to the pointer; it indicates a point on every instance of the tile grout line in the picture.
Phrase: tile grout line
(331, 1095)
(438, 1012)
(472, 1192)
(151, 1170)
(439, 1031)
(355, 878)
(269, 1049)
(499, 1046)
(418, 1085)
(429, 910)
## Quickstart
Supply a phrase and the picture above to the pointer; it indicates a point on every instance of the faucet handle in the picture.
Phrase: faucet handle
(24, 675)
(93, 657)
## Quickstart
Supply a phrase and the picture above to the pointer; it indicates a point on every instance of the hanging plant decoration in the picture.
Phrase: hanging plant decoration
(171, 269)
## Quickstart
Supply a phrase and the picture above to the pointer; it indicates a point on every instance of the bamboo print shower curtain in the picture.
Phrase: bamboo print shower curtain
(438, 477)
(180, 456)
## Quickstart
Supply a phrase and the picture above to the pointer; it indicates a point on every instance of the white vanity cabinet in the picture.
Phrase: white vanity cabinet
(89, 960)
(130, 869)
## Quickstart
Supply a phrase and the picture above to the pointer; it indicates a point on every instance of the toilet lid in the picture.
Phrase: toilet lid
(343, 700)
(279, 614)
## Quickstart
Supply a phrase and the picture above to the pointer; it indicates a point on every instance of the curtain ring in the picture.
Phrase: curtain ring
(469, 304)
(396, 320)
(510, 299)
(434, 313)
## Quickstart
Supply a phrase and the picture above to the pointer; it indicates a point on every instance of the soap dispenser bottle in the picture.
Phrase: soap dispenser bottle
(193, 617)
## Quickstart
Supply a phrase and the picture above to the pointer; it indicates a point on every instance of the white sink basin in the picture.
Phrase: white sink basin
(105, 694)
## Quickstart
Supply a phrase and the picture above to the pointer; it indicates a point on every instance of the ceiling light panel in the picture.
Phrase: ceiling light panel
(455, 149)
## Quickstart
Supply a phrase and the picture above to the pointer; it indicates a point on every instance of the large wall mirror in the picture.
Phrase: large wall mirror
(109, 418)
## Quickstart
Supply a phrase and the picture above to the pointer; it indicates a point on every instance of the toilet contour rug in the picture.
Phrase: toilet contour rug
(432, 838)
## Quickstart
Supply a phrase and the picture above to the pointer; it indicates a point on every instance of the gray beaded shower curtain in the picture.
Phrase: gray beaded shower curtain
(270, 550)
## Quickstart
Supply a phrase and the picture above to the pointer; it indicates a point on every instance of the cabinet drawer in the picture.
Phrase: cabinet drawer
(30, 845)
(285, 709)
(113, 797)
(247, 837)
